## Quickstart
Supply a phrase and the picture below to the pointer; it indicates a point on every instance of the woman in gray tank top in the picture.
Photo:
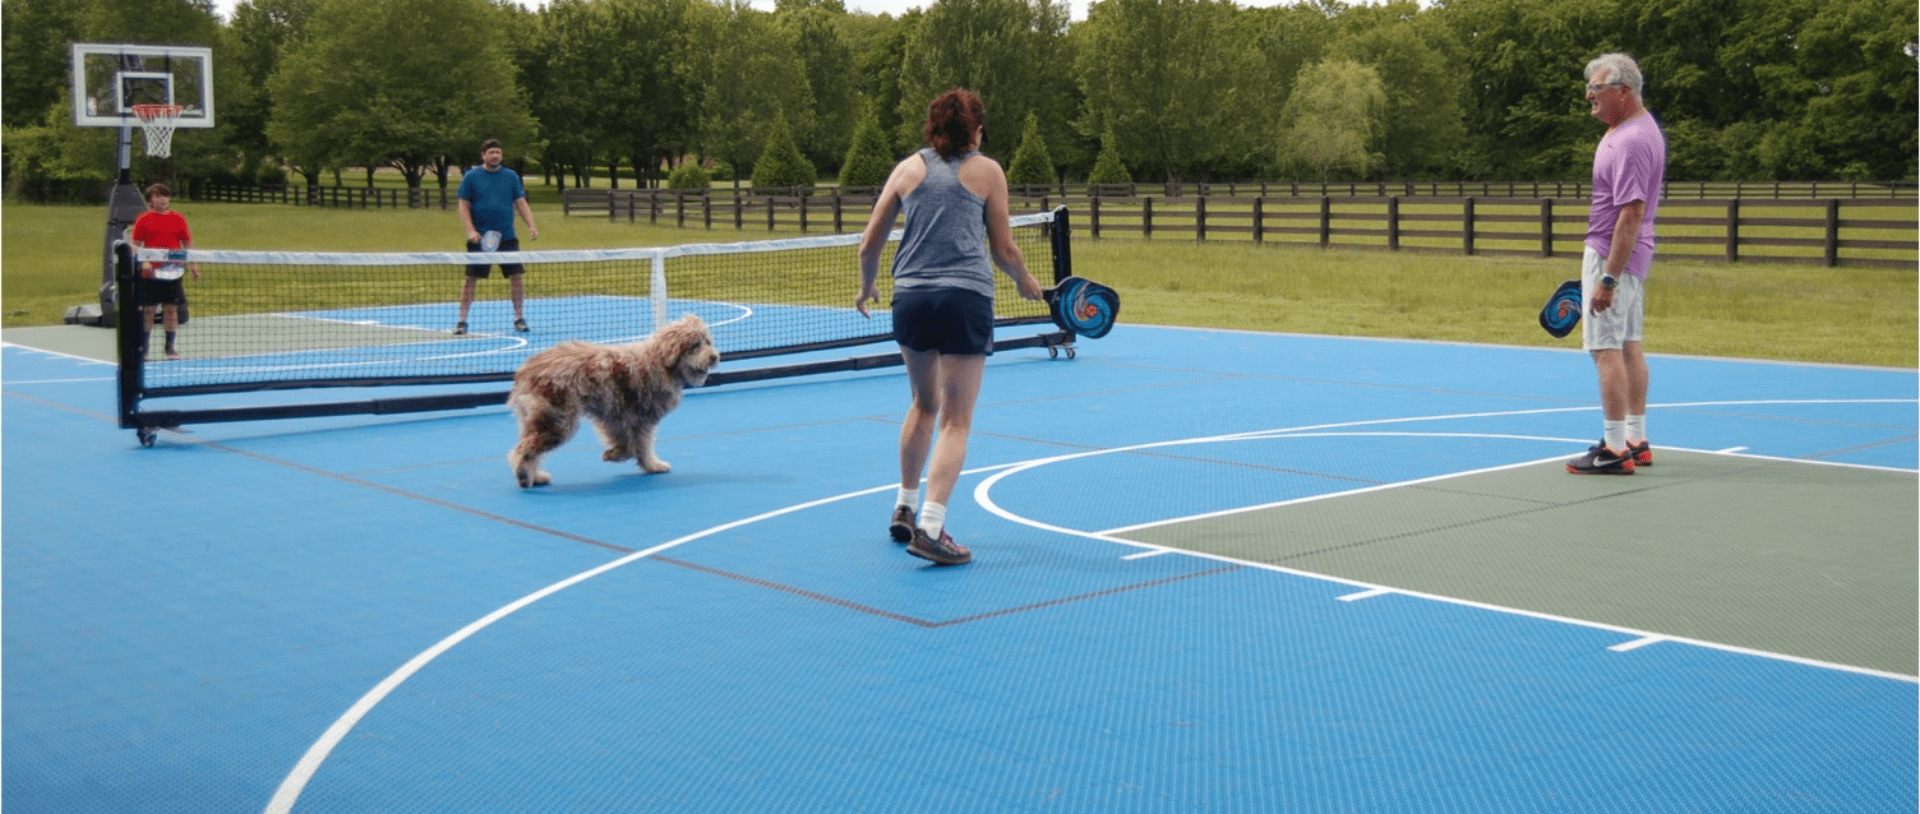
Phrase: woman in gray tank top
(957, 229)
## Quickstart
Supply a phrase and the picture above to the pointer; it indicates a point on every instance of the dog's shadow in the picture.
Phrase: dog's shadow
(638, 483)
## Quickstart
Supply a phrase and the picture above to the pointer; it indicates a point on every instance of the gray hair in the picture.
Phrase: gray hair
(1619, 68)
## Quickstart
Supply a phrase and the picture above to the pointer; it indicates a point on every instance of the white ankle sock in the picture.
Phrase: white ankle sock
(1637, 427)
(907, 497)
(1616, 439)
(933, 517)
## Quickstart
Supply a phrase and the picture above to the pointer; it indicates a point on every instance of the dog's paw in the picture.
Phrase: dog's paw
(655, 466)
(542, 478)
(616, 454)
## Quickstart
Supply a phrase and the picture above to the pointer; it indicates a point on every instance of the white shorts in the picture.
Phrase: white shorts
(1622, 320)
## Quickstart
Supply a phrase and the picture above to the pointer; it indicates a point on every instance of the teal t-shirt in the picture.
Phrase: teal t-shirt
(490, 197)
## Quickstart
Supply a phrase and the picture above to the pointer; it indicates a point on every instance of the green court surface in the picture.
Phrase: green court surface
(1805, 560)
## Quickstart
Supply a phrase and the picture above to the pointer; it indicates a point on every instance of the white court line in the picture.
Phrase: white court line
(1731, 450)
(1636, 644)
(1145, 554)
(982, 495)
(1367, 594)
(59, 381)
(82, 359)
(309, 763)
(1351, 492)
(296, 781)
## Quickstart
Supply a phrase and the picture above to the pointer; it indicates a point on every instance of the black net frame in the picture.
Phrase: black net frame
(810, 277)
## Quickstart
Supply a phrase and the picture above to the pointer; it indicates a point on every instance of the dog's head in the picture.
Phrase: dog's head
(689, 345)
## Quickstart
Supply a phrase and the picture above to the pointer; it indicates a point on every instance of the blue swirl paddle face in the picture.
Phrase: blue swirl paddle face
(490, 241)
(1083, 307)
(1562, 312)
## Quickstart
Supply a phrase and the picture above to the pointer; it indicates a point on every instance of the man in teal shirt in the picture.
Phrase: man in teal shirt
(489, 197)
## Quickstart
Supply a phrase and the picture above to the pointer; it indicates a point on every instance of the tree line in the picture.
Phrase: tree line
(1201, 90)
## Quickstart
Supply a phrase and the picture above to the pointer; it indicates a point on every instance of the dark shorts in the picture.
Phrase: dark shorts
(943, 319)
(152, 291)
(506, 269)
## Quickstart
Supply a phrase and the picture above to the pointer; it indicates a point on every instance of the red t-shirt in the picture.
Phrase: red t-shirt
(161, 230)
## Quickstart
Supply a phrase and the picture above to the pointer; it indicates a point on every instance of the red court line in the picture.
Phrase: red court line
(884, 614)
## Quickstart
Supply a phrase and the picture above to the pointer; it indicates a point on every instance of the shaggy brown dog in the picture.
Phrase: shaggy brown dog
(624, 389)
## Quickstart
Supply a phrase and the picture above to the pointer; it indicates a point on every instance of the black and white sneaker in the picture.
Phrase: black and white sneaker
(1600, 460)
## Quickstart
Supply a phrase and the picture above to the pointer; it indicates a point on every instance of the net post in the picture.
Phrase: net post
(1062, 238)
(657, 290)
(132, 362)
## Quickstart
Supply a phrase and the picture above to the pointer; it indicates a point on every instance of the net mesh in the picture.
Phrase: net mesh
(158, 122)
(277, 320)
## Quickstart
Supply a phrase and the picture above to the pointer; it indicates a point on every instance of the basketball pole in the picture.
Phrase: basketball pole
(124, 206)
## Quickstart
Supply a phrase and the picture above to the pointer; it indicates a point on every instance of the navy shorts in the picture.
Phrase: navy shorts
(506, 269)
(943, 319)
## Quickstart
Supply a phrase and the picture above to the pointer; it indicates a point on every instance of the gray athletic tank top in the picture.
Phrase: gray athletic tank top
(945, 245)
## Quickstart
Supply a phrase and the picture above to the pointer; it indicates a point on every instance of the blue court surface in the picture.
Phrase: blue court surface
(1214, 571)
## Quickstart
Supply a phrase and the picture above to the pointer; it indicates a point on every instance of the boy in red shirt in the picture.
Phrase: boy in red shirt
(161, 228)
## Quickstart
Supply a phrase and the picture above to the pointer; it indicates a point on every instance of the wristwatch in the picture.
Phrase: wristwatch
(1609, 282)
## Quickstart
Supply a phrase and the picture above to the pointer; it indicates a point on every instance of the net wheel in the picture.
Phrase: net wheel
(146, 436)
(1053, 351)
(1069, 351)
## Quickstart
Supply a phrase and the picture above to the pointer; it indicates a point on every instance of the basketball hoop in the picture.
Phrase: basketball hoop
(158, 121)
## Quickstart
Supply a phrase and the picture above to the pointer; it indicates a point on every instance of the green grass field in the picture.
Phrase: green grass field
(50, 259)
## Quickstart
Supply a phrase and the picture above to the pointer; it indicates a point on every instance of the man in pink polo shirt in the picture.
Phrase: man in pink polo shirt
(1629, 170)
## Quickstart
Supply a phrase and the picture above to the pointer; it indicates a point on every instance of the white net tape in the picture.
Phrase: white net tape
(158, 121)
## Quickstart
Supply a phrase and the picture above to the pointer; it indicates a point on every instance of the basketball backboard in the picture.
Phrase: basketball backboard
(110, 78)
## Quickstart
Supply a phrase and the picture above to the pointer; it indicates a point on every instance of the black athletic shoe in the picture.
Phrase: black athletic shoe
(1602, 461)
(459, 329)
(1642, 453)
(943, 551)
(901, 528)
(520, 325)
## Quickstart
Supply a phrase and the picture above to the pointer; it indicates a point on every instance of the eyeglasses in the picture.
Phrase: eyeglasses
(1598, 88)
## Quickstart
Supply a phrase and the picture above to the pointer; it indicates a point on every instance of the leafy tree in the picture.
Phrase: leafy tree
(879, 51)
(781, 164)
(1010, 52)
(1333, 119)
(561, 75)
(749, 77)
(1032, 165)
(365, 88)
(35, 36)
(1424, 117)
(1839, 93)
(868, 161)
(1108, 168)
(648, 88)
(260, 33)
(826, 62)
(1524, 60)
(1678, 44)
(1163, 76)
(1282, 41)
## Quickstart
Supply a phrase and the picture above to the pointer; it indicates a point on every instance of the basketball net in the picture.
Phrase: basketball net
(158, 121)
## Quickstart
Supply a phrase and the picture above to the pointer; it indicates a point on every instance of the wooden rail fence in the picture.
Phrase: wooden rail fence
(1870, 232)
